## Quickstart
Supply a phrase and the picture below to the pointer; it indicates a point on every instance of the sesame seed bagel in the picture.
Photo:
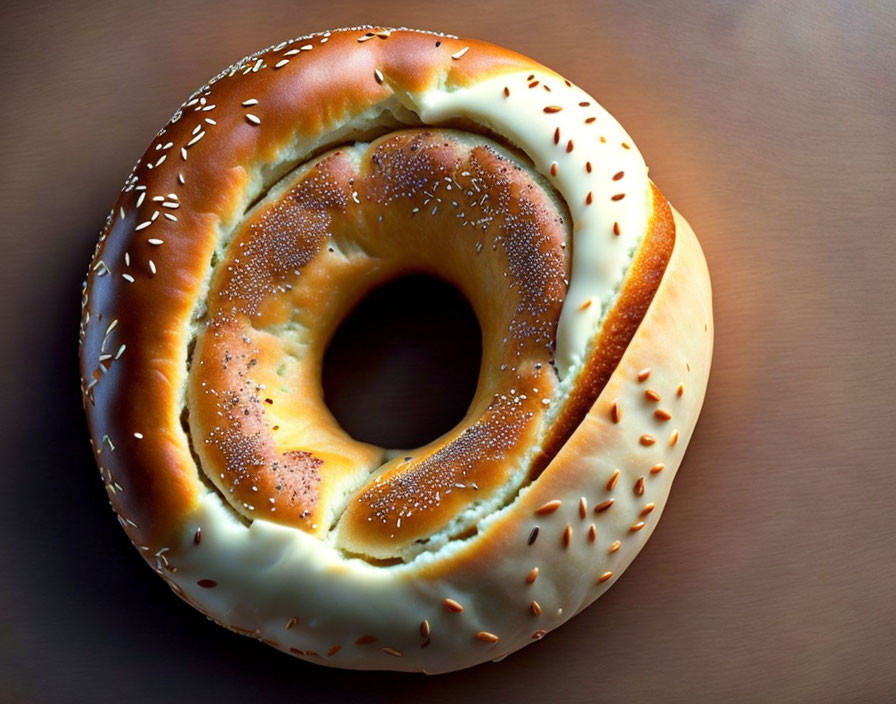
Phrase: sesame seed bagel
(276, 198)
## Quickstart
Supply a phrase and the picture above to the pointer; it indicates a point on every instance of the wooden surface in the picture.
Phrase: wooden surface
(772, 575)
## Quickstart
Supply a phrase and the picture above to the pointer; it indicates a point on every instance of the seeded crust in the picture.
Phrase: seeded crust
(586, 499)
(297, 265)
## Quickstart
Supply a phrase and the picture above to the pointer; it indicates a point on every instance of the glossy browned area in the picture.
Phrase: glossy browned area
(770, 578)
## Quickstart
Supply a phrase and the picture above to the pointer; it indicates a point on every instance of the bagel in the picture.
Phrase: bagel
(279, 195)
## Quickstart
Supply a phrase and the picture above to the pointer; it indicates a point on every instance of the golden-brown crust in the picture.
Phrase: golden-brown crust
(141, 389)
(246, 379)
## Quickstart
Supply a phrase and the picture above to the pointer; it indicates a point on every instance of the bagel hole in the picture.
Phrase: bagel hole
(402, 368)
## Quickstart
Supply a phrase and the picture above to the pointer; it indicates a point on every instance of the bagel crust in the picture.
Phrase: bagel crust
(278, 195)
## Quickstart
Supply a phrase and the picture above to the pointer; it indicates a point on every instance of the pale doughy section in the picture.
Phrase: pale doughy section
(589, 159)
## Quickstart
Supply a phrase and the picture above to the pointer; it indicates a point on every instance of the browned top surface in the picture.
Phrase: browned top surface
(771, 575)
(263, 434)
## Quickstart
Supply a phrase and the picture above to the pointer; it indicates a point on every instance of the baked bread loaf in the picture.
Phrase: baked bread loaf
(278, 195)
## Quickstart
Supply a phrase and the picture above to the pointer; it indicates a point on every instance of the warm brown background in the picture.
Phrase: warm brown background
(772, 576)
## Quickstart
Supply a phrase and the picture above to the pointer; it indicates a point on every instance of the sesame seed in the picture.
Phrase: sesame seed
(120, 351)
(378, 75)
(306, 47)
(673, 438)
(647, 440)
(592, 533)
(636, 527)
(460, 53)
(506, 92)
(618, 176)
(533, 536)
(657, 468)
(332, 651)
(196, 139)
(535, 607)
(639, 487)
(604, 577)
(603, 506)
(292, 622)
(487, 637)
(369, 35)
(651, 395)
(549, 507)
(207, 583)
(648, 509)
(281, 63)
(249, 103)
(139, 436)
(141, 198)
(552, 108)
(155, 241)
(680, 390)
(583, 507)
(615, 546)
(424, 628)
(569, 146)
(611, 482)
(553, 168)
(618, 196)
(662, 414)
(128, 278)
(392, 651)
(616, 411)
(532, 576)
(616, 230)
(643, 374)
(589, 198)
(567, 535)
(252, 119)
(453, 606)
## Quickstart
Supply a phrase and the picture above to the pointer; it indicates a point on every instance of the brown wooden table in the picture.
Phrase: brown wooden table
(772, 576)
